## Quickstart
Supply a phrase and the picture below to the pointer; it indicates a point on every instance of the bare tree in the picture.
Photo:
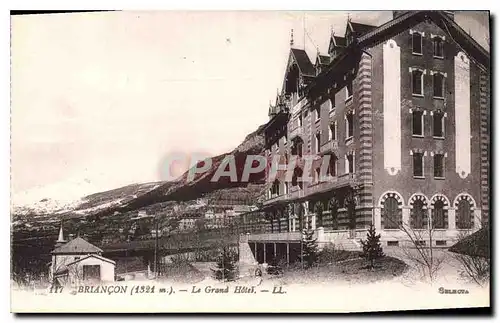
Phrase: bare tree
(419, 248)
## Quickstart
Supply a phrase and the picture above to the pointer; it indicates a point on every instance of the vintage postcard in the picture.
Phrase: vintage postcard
(239, 161)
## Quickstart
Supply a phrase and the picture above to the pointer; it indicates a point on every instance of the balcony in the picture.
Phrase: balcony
(295, 193)
(335, 182)
(329, 147)
(276, 236)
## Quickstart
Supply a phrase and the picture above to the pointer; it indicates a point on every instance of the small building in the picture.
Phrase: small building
(79, 261)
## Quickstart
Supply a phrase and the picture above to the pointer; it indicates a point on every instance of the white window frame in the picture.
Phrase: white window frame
(443, 90)
(332, 104)
(443, 39)
(333, 157)
(347, 164)
(424, 154)
(412, 69)
(445, 155)
(347, 137)
(422, 35)
(424, 112)
(347, 96)
(443, 123)
(317, 114)
(317, 141)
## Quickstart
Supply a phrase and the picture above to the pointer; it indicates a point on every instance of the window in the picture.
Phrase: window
(318, 114)
(418, 164)
(438, 47)
(332, 166)
(464, 215)
(438, 215)
(349, 125)
(297, 148)
(332, 104)
(91, 272)
(300, 120)
(391, 213)
(317, 173)
(317, 139)
(332, 132)
(348, 90)
(438, 166)
(418, 123)
(438, 82)
(418, 217)
(350, 163)
(297, 178)
(417, 43)
(417, 82)
(438, 124)
(275, 190)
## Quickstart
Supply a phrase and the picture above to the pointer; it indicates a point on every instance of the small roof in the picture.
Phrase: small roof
(303, 61)
(91, 256)
(77, 246)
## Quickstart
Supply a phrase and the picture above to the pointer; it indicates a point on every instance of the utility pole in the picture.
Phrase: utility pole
(156, 246)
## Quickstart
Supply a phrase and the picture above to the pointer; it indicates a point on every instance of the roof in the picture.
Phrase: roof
(395, 26)
(303, 61)
(323, 59)
(361, 29)
(339, 41)
(476, 244)
(92, 256)
(77, 246)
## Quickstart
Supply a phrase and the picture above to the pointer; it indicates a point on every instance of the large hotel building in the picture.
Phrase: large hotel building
(397, 118)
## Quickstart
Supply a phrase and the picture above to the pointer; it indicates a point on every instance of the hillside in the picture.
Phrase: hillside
(112, 214)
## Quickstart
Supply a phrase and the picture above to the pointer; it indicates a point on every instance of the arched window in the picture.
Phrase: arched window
(391, 213)
(439, 220)
(418, 216)
(464, 215)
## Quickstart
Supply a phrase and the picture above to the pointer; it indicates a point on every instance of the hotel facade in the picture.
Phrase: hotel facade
(397, 117)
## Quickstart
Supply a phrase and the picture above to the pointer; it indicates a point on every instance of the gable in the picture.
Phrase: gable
(77, 246)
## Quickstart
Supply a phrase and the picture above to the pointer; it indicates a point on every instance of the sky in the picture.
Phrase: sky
(100, 100)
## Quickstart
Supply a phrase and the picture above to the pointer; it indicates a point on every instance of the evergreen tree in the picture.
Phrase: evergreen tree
(226, 265)
(372, 249)
(309, 248)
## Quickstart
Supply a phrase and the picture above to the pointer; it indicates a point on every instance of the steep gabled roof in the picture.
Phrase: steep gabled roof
(360, 29)
(398, 25)
(77, 246)
(303, 61)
